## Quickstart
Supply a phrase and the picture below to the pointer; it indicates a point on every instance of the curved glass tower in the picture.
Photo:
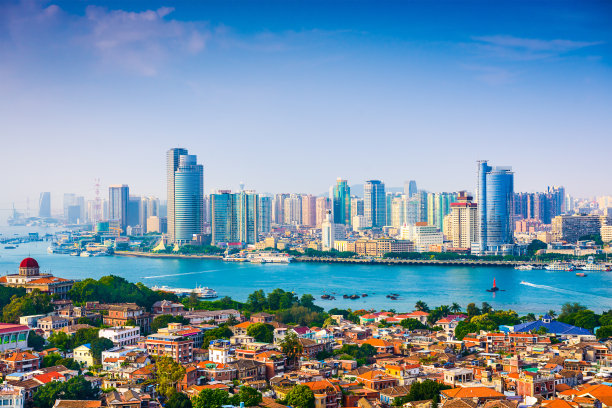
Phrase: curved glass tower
(188, 199)
(495, 207)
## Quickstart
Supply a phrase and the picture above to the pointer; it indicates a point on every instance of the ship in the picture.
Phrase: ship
(494, 288)
(201, 291)
(592, 266)
(269, 257)
(560, 266)
(581, 274)
(524, 267)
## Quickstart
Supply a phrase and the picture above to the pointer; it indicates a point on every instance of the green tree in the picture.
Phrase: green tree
(51, 360)
(464, 328)
(261, 332)
(35, 341)
(169, 373)
(193, 301)
(300, 396)
(163, 321)
(221, 332)
(542, 331)
(84, 336)
(421, 306)
(256, 301)
(179, 400)
(76, 388)
(455, 308)
(98, 346)
(472, 310)
(412, 324)
(114, 289)
(61, 340)
(534, 246)
(211, 398)
(249, 396)
(291, 347)
(7, 293)
(604, 332)
(29, 304)
(485, 308)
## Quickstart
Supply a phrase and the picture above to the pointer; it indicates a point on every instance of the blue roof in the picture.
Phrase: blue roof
(553, 327)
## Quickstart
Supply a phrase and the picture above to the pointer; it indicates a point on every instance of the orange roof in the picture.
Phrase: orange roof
(472, 392)
(48, 377)
(418, 313)
(559, 403)
(46, 281)
(321, 385)
(374, 375)
(377, 342)
(21, 356)
(243, 325)
(597, 391)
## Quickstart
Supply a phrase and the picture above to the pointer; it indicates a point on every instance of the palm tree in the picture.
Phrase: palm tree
(421, 306)
(444, 310)
(486, 308)
(455, 308)
(552, 313)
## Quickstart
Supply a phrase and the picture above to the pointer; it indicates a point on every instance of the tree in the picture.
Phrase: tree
(291, 347)
(35, 341)
(571, 308)
(261, 332)
(485, 308)
(76, 388)
(421, 306)
(193, 300)
(221, 332)
(98, 346)
(249, 396)
(300, 396)
(534, 246)
(60, 340)
(542, 331)
(412, 324)
(472, 310)
(169, 373)
(211, 398)
(29, 304)
(51, 360)
(552, 313)
(604, 332)
(114, 289)
(163, 321)
(455, 308)
(179, 400)
(529, 317)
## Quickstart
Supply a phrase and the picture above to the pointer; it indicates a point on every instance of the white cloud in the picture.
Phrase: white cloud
(517, 48)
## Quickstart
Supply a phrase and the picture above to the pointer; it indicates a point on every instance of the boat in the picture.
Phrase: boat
(364, 295)
(269, 257)
(201, 291)
(581, 274)
(325, 296)
(353, 297)
(85, 254)
(560, 266)
(524, 267)
(75, 253)
(9, 247)
(592, 266)
(494, 288)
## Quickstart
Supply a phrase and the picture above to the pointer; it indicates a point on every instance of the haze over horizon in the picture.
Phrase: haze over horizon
(288, 96)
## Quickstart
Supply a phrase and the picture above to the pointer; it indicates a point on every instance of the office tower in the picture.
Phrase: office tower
(223, 209)
(69, 199)
(442, 207)
(188, 206)
(323, 204)
(118, 197)
(265, 214)
(293, 210)
(464, 221)
(421, 206)
(341, 206)
(495, 194)
(410, 188)
(375, 203)
(134, 215)
(74, 212)
(357, 206)
(397, 211)
(149, 207)
(44, 205)
(172, 164)
(327, 232)
(248, 219)
(278, 208)
(388, 202)
(309, 210)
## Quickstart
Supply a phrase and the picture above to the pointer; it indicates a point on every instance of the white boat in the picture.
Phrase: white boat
(560, 266)
(200, 291)
(592, 266)
(524, 267)
(85, 254)
(270, 257)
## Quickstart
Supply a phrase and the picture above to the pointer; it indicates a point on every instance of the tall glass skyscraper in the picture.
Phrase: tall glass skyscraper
(342, 202)
(188, 203)
(248, 220)
(118, 198)
(172, 164)
(495, 194)
(44, 205)
(375, 203)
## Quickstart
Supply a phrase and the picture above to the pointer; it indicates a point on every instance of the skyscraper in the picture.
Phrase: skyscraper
(223, 209)
(188, 205)
(495, 194)
(44, 205)
(322, 207)
(328, 233)
(118, 198)
(172, 164)
(309, 210)
(342, 203)
(374, 203)
(464, 221)
(134, 206)
(410, 188)
(265, 214)
(248, 219)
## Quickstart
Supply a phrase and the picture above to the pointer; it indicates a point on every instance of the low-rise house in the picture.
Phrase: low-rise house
(248, 369)
(127, 399)
(62, 403)
(389, 395)
(311, 348)
(478, 394)
(216, 371)
(219, 316)
(83, 355)
(273, 360)
(262, 318)
(178, 348)
(377, 380)
(50, 323)
(11, 396)
(121, 335)
(126, 313)
(532, 384)
(167, 307)
(326, 393)
(21, 361)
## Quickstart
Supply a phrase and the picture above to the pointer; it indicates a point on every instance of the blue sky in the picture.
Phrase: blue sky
(288, 95)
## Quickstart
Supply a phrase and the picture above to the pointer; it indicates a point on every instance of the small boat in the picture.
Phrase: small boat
(393, 297)
(524, 267)
(325, 296)
(494, 288)
(353, 297)
(85, 254)
(364, 295)
(10, 247)
(581, 274)
(345, 296)
(75, 253)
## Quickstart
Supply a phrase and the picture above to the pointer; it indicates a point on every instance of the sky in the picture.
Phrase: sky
(286, 96)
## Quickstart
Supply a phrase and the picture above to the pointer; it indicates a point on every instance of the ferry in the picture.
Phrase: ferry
(270, 257)
(201, 292)
(85, 254)
(592, 266)
(524, 267)
(559, 266)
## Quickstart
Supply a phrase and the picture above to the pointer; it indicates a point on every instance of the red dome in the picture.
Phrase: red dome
(29, 263)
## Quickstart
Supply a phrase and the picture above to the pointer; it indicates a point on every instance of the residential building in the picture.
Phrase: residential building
(464, 221)
(126, 313)
(378, 247)
(51, 323)
(12, 396)
(177, 347)
(571, 228)
(309, 210)
(322, 204)
(424, 236)
(21, 361)
(13, 336)
(495, 195)
(328, 232)
(121, 335)
(83, 355)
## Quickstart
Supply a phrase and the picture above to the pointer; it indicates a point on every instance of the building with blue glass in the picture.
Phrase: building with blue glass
(188, 199)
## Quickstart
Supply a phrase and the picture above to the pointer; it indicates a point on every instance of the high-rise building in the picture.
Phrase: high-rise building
(239, 217)
(69, 199)
(357, 206)
(278, 208)
(375, 203)
(341, 206)
(410, 188)
(188, 205)
(44, 205)
(309, 210)
(224, 217)
(495, 195)
(248, 219)
(293, 210)
(118, 198)
(149, 207)
(172, 164)
(134, 216)
(327, 232)
(265, 213)
(323, 204)
(464, 221)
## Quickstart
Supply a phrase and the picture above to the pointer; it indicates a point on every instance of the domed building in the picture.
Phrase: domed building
(30, 278)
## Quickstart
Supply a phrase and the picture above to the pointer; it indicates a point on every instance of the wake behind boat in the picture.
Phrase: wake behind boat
(201, 291)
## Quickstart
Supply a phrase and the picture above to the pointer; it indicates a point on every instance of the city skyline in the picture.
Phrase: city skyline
(444, 90)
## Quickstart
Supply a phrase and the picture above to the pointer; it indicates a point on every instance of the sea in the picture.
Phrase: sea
(536, 291)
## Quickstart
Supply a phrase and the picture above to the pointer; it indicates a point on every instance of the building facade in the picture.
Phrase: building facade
(374, 203)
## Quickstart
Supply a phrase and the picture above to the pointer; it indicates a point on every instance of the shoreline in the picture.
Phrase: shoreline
(331, 260)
